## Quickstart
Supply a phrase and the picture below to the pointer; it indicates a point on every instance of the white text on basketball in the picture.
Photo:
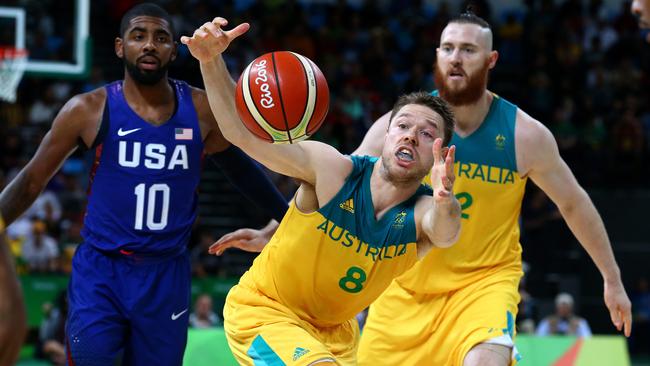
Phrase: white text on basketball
(267, 99)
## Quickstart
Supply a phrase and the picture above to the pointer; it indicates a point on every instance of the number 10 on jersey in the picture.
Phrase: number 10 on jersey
(145, 206)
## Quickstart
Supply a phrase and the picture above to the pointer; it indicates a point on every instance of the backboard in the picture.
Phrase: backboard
(55, 33)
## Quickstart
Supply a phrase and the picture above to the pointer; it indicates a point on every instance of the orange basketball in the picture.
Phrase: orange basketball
(282, 97)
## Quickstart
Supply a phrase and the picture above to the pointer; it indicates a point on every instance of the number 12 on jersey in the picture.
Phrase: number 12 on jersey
(147, 201)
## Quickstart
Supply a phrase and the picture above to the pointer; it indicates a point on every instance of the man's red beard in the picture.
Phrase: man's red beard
(470, 94)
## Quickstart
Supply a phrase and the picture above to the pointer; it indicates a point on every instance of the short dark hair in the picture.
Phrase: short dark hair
(436, 104)
(469, 17)
(145, 9)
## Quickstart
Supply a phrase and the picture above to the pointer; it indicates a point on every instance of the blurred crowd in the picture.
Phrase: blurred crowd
(579, 67)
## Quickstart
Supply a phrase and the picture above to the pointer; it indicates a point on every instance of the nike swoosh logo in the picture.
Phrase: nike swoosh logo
(124, 133)
(176, 316)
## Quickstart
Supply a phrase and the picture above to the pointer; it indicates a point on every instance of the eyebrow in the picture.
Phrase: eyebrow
(433, 123)
(428, 120)
(464, 44)
(144, 30)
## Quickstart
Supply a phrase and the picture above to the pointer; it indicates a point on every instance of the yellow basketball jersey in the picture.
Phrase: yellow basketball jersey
(328, 265)
(490, 191)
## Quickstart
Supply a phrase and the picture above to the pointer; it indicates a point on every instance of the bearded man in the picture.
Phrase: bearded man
(458, 306)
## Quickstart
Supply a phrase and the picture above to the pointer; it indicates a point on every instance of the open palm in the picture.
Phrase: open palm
(442, 172)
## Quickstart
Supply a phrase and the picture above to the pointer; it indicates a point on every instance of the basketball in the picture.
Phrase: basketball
(282, 97)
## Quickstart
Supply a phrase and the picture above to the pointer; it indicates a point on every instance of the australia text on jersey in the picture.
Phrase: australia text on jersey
(350, 241)
(485, 173)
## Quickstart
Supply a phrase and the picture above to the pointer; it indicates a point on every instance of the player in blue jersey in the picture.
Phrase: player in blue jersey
(129, 293)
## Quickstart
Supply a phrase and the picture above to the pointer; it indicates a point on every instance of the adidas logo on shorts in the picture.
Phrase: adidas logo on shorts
(299, 352)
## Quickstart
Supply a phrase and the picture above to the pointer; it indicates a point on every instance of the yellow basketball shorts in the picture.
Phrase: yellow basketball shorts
(406, 328)
(261, 331)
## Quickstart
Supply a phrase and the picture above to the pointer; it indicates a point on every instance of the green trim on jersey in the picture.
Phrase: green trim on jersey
(493, 142)
(396, 226)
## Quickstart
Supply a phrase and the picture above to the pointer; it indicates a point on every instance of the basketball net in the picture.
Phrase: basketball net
(12, 67)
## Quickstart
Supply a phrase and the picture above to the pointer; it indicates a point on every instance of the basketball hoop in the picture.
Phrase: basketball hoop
(12, 67)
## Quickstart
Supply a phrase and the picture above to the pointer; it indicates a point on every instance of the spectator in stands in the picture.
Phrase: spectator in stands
(564, 321)
(543, 233)
(527, 305)
(44, 109)
(40, 251)
(51, 334)
(628, 149)
(47, 208)
(96, 79)
(203, 263)
(69, 242)
(203, 315)
(11, 151)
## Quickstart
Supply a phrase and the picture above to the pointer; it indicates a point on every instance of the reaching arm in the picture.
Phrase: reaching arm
(304, 160)
(440, 221)
(547, 169)
(206, 45)
(250, 240)
(68, 127)
(251, 181)
(244, 173)
(373, 142)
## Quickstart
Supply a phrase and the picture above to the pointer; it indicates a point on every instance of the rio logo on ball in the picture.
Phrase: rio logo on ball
(266, 99)
(282, 97)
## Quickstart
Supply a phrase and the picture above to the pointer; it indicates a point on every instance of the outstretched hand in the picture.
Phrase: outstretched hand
(620, 309)
(249, 240)
(442, 172)
(210, 40)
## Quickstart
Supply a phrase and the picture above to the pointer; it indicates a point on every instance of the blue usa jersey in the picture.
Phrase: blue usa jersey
(142, 195)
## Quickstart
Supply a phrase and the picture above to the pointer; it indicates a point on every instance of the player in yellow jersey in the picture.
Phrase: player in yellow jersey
(470, 292)
(373, 218)
(458, 306)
